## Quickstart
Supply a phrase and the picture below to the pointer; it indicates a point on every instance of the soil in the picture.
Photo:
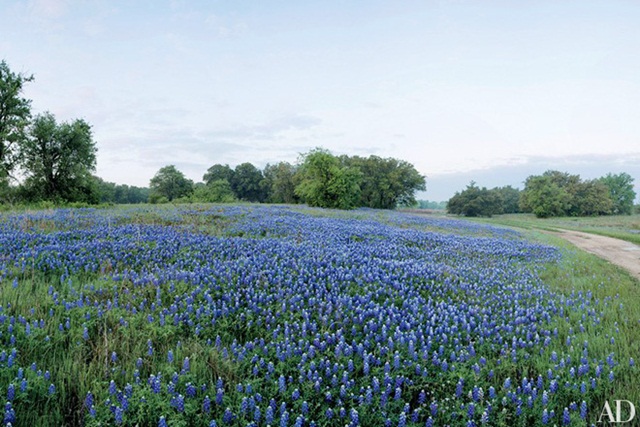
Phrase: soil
(616, 251)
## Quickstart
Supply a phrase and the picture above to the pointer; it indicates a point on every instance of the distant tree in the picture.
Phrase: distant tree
(58, 160)
(169, 183)
(246, 183)
(15, 113)
(324, 182)
(430, 204)
(544, 197)
(106, 190)
(510, 199)
(218, 191)
(620, 187)
(592, 198)
(475, 201)
(386, 183)
(279, 183)
(218, 172)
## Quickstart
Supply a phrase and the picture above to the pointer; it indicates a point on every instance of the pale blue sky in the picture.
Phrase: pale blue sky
(458, 88)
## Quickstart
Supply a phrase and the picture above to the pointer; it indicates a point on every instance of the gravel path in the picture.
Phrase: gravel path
(616, 251)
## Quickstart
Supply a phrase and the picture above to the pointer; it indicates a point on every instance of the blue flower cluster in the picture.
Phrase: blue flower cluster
(301, 318)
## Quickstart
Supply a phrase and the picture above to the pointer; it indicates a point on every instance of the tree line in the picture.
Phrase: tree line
(551, 194)
(319, 178)
(42, 159)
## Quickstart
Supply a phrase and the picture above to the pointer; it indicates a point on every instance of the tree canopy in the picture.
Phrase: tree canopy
(169, 183)
(15, 113)
(324, 182)
(58, 160)
(475, 201)
(556, 193)
(620, 188)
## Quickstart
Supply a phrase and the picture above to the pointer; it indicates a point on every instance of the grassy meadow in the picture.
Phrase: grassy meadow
(247, 315)
(625, 227)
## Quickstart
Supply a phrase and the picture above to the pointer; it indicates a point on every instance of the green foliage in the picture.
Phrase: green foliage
(218, 191)
(279, 183)
(325, 183)
(544, 197)
(386, 183)
(475, 201)
(510, 199)
(120, 193)
(246, 183)
(621, 191)
(15, 113)
(58, 160)
(218, 172)
(592, 198)
(168, 184)
(557, 193)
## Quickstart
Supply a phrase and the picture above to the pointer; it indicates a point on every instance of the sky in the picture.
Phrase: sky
(491, 91)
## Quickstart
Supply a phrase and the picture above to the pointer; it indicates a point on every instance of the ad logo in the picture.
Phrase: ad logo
(608, 416)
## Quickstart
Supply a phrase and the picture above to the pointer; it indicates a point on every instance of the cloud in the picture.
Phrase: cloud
(48, 9)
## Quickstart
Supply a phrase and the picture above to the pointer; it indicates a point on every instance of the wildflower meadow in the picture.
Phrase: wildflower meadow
(248, 315)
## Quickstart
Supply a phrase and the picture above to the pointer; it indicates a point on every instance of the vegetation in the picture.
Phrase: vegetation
(320, 179)
(624, 227)
(476, 201)
(552, 194)
(557, 193)
(15, 113)
(183, 316)
(58, 160)
(169, 184)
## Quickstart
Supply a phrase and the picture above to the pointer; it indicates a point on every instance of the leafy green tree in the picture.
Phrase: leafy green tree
(475, 201)
(169, 183)
(218, 172)
(386, 183)
(620, 187)
(58, 160)
(510, 198)
(15, 113)
(324, 182)
(592, 198)
(246, 183)
(544, 197)
(279, 183)
(218, 191)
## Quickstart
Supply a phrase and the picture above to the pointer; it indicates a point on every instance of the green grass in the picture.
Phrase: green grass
(624, 227)
(614, 291)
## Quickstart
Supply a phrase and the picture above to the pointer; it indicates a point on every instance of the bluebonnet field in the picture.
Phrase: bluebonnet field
(255, 316)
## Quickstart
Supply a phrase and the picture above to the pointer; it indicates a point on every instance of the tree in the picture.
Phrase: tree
(245, 183)
(592, 198)
(621, 191)
(218, 172)
(510, 198)
(279, 183)
(386, 183)
(218, 191)
(58, 160)
(169, 183)
(475, 201)
(544, 197)
(323, 182)
(15, 113)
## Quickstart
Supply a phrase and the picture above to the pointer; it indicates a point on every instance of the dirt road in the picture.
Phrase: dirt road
(616, 251)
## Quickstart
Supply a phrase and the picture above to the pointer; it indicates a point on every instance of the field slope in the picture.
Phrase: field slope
(251, 315)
